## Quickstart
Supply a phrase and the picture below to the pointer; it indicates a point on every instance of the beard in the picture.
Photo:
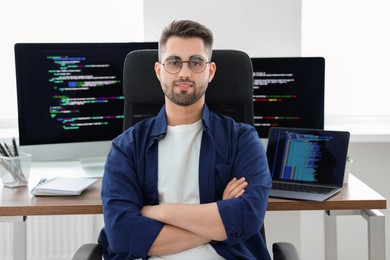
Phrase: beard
(184, 97)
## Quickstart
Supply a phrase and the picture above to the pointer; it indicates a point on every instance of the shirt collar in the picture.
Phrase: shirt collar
(206, 118)
(160, 126)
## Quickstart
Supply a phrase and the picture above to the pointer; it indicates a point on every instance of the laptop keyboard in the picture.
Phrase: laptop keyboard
(301, 188)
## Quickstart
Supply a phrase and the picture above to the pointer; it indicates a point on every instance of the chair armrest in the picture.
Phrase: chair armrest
(284, 251)
(91, 251)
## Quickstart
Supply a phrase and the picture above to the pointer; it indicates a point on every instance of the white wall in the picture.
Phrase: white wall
(353, 37)
(259, 27)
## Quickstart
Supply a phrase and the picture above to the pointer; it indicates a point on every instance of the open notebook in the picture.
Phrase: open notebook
(306, 164)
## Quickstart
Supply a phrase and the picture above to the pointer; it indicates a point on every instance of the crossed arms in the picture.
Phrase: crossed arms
(190, 225)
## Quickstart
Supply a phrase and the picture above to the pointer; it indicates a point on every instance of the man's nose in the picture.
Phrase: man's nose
(185, 71)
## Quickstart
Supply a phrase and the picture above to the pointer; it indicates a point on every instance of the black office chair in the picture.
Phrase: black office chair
(225, 94)
(229, 93)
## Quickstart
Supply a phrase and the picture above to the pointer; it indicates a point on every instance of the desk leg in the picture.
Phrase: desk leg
(20, 239)
(376, 232)
(330, 236)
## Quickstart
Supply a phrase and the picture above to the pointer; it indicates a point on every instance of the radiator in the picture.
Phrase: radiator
(52, 237)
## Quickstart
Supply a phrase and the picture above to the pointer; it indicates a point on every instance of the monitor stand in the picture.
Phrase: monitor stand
(92, 167)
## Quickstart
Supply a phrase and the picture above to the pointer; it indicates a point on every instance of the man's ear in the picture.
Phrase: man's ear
(212, 70)
(157, 70)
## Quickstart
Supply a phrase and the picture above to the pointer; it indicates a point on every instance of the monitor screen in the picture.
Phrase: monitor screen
(288, 92)
(71, 92)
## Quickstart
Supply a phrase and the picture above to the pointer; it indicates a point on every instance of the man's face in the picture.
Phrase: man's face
(185, 87)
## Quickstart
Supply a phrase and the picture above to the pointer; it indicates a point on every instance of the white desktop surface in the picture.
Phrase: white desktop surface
(51, 169)
(48, 170)
(363, 129)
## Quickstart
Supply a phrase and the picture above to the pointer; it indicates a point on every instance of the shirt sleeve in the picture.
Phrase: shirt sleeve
(243, 217)
(128, 232)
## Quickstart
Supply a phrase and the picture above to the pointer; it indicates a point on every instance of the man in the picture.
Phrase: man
(188, 183)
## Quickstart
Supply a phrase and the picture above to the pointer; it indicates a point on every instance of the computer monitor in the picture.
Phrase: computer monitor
(288, 92)
(70, 98)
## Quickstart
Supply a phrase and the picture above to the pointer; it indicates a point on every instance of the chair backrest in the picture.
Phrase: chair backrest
(230, 92)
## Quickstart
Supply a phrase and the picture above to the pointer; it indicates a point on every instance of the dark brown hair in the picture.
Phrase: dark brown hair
(187, 29)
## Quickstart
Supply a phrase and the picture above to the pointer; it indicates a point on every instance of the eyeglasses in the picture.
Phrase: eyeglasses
(173, 64)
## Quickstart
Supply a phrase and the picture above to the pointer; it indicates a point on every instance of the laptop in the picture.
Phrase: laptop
(306, 164)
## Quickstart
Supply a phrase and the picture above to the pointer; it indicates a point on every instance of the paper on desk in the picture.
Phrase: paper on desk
(62, 186)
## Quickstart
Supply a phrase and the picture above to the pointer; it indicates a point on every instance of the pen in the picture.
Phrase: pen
(16, 153)
(3, 151)
(8, 150)
(39, 183)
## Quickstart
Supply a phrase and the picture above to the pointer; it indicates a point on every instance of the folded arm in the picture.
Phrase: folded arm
(172, 239)
(190, 225)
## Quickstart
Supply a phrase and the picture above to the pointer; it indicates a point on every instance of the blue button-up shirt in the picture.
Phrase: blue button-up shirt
(228, 149)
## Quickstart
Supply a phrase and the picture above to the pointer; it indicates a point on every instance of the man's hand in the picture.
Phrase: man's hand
(235, 188)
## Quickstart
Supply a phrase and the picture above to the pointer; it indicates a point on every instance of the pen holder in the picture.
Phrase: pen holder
(15, 171)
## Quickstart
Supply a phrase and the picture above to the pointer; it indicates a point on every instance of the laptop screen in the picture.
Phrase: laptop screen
(307, 155)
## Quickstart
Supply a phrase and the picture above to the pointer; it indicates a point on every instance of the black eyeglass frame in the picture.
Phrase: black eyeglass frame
(185, 61)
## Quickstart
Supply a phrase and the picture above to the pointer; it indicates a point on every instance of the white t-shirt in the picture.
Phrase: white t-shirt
(178, 177)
